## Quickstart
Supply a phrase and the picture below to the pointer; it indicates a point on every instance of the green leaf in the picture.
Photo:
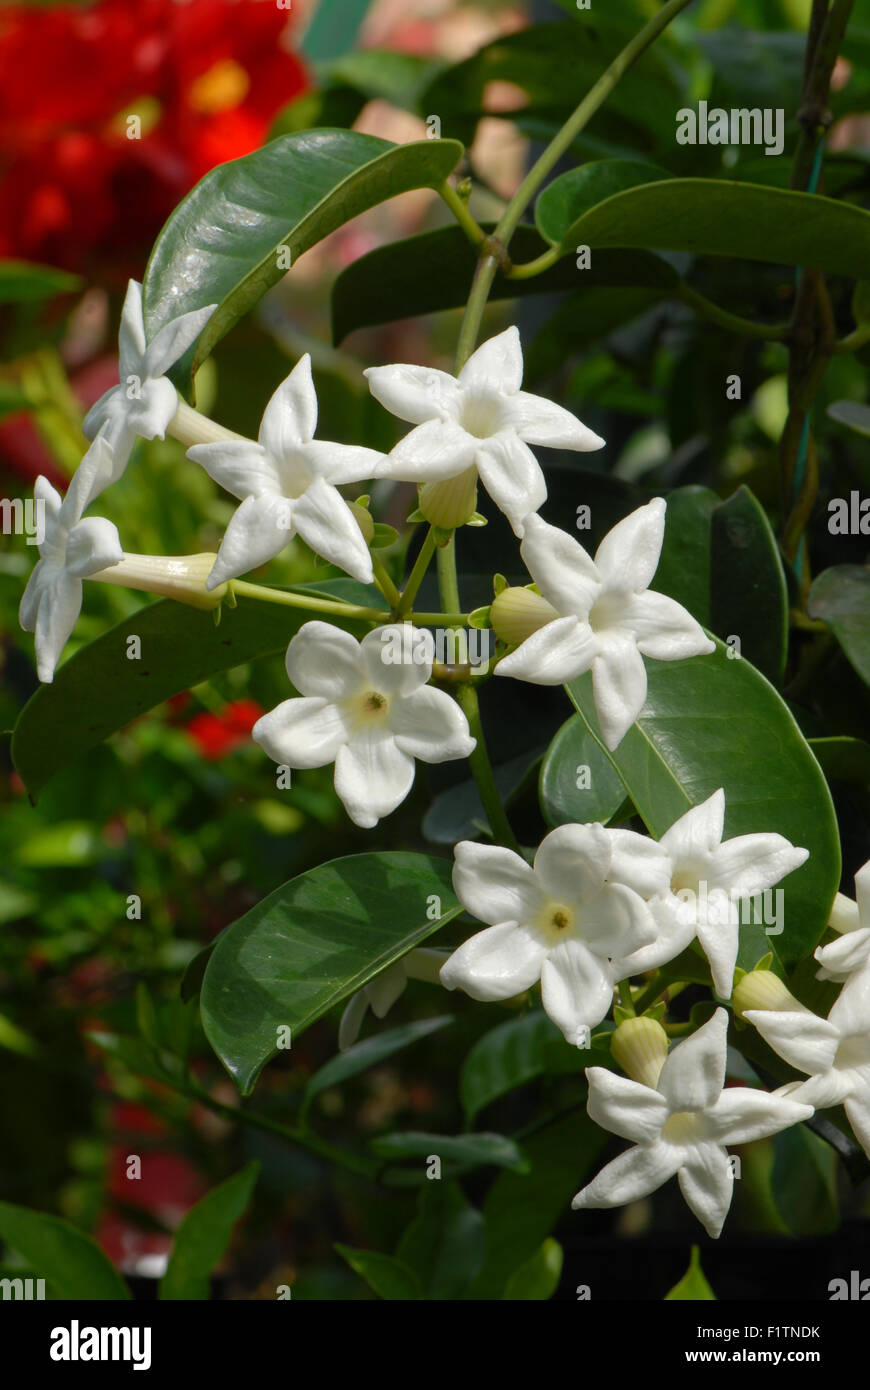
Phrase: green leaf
(571, 195)
(572, 760)
(445, 1244)
(23, 281)
(850, 413)
(684, 566)
(804, 1182)
(539, 1277)
(72, 1263)
(495, 1149)
(136, 1055)
(98, 691)
(843, 759)
(385, 1274)
(710, 217)
(367, 1054)
(712, 722)
(311, 944)
(840, 597)
(513, 1054)
(223, 243)
(358, 299)
(333, 28)
(398, 78)
(693, 1286)
(332, 105)
(458, 814)
(204, 1235)
(749, 593)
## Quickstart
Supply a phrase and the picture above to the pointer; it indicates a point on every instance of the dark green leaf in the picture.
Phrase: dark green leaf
(713, 218)
(385, 1274)
(693, 1286)
(368, 1053)
(749, 594)
(332, 105)
(840, 597)
(495, 1149)
(22, 281)
(445, 1244)
(458, 814)
(572, 761)
(311, 944)
(333, 28)
(804, 1182)
(99, 690)
(398, 78)
(713, 722)
(204, 1235)
(577, 192)
(72, 1263)
(539, 1277)
(852, 414)
(222, 244)
(513, 1054)
(684, 567)
(843, 759)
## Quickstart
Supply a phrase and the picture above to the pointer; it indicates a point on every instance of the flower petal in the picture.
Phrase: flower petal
(131, 336)
(497, 363)
(150, 412)
(634, 1174)
(694, 1072)
(240, 466)
(414, 393)
(619, 687)
(749, 864)
(564, 573)
(290, 418)
(576, 990)
(397, 659)
(572, 862)
(707, 1183)
(352, 1019)
(94, 473)
(429, 725)
(539, 421)
(495, 884)
(850, 1013)
(93, 545)
(324, 660)
(556, 653)
(741, 1115)
(59, 608)
(639, 862)
(698, 832)
(174, 339)
(618, 922)
(625, 1107)
(372, 775)
(32, 596)
(325, 522)
(804, 1041)
(862, 893)
(303, 732)
(436, 450)
(824, 1089)
(841, 957)
(385, 988)
(496, 963)
(720, 940)
(628, 556)
(674, 932)
(512, 476)
(258, 529)
(342, 463)
(663, 628)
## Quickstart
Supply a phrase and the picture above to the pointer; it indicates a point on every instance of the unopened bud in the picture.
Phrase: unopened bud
(517, 613)
(640, 1046)
(181, 577)
(844, 915)
(761, 989)
(450, 503)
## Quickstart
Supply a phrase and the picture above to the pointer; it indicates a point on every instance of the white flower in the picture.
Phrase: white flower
(369, 715)
(381, 993)
(606, 617)
(840, 959)
(682, 1127)
(287, 483)
(145, 400)
(479, 420)
(709, 877)
(834, 1052)
(559, 922)
(71, 550)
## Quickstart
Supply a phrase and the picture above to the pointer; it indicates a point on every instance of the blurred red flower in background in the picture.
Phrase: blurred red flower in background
(110, 112)
(218, 734)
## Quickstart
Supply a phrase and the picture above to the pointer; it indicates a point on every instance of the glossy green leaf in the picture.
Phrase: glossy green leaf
(578, 782)
(204, 1235)
(538, 1278)
(223, 243)
(358, 299)
(311, 944)
(709, 217)
(467, 1149)
(843, 759)
(68, 1259)
(445, 1244)
(458, 814)
(684, 566)
(511, 1055)
(387, 1276)
(852, 414)
(24, 281)
(98, 691)
(368, 1053)
(804, 1182)
(748, 589)
(693, 1287)
(713, 722)
(571, 195)
(840, 597)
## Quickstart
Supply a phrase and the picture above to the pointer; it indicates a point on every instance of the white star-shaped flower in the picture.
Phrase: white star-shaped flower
(480, 419)
(381, 993)
(560, 922)
(145, 400)
(851, 952)
(709, 878)
(682, 1127)
(369, 714)
(288, 484)
(605, 616)
(71, 550)
(834, 1052)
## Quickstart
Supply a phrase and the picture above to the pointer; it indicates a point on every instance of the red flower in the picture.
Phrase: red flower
(218, 734)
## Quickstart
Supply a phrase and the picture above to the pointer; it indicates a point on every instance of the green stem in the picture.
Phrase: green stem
(854, 340)
(459, 208)
(337, 609)
(385, 583)
(625, 1000)
(772, 332)
(415, 578)
(537, 266)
